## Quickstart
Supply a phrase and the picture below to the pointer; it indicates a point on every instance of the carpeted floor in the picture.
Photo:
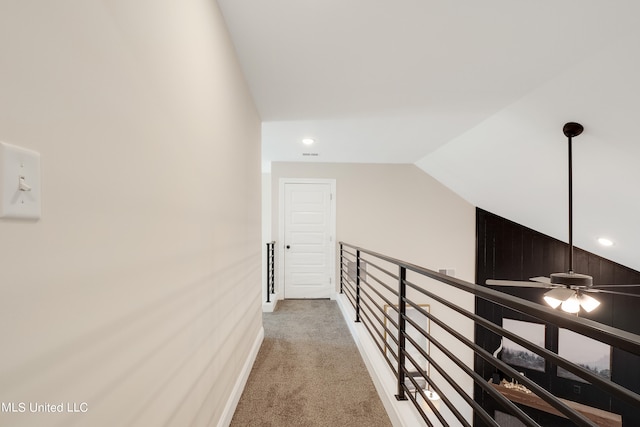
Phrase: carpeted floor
(309, 373)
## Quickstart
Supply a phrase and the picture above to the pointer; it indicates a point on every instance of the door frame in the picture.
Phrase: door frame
(332, 227)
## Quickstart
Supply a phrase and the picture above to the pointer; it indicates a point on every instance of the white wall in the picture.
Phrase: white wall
(138, 292)
(400, 211)
(395, 209)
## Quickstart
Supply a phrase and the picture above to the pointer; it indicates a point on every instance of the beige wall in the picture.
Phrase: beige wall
(138, 292)
(394, 209)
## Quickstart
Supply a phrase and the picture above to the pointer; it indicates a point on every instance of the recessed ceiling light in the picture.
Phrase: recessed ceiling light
(605, 242)
(308, 141)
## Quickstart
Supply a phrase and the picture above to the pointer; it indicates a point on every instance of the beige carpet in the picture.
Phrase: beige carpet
(309, 373)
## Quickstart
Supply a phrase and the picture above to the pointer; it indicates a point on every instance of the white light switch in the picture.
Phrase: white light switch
(19, 182)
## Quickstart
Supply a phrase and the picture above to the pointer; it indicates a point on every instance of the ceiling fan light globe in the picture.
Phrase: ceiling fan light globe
(556, 296)
(554, 303)
(571, 305)
(588, 303)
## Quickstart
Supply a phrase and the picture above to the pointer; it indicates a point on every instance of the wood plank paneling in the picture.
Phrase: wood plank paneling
(507, 250)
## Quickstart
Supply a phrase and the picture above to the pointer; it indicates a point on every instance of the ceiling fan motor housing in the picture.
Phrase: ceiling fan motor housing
(572, 279)
(572, 129)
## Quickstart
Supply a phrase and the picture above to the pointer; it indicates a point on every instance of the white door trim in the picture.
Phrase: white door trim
(332, 224)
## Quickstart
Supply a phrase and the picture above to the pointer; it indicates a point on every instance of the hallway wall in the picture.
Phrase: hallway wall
(138, 291)
(395, 209)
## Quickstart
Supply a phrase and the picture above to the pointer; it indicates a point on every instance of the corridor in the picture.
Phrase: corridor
(309, 373)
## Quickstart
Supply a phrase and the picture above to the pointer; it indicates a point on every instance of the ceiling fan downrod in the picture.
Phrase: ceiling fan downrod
(571, 130)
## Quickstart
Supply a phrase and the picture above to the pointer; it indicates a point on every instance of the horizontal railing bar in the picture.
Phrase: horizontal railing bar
(346, 272)
(351, 298)
(453, 384)
(350, 286)
(366, 316)
(486, 417)
(349, 253)
(609, 386)
(448, 378)
(613, 336)
(377, 343)
(384, 285)
(444, 398)
(347, 280)
(480, 381)
(420, 411)
(382, 338)
(413, 398)
(380, 309)
(391, 304)
(369, 307)
(382, 270)
(418, 369)
(378, 333)
(570, 413)
(349, 294)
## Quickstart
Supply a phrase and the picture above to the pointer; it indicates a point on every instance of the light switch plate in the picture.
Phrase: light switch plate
(20, 188)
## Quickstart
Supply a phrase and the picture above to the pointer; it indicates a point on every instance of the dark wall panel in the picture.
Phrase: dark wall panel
(507, 250)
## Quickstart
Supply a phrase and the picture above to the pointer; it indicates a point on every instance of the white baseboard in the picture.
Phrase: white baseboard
(238, 388)
(270, 307)
(401, 413)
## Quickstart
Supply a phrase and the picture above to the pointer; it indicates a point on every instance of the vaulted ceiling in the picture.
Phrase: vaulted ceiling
(474, 93)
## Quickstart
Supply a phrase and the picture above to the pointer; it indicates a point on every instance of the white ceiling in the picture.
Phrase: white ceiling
(474, 93)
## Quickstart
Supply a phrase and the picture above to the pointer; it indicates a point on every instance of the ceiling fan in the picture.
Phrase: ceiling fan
(568, 290)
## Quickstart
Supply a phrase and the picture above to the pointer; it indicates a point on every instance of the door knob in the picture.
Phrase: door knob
(288, 246)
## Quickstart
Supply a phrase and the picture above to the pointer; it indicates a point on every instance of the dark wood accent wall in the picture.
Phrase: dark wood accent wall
(506, 250)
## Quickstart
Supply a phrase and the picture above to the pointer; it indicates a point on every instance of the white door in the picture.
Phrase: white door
(308, 240)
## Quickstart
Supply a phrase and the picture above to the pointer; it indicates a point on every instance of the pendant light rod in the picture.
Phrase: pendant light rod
(570, 208)
(570, 130)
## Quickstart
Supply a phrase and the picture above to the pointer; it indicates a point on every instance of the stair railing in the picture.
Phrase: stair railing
(381, 300)
(270, 271)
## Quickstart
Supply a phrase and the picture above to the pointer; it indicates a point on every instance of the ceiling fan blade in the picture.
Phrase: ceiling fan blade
(517, 283)
(615, 286)
(542, 279)
(603, 291)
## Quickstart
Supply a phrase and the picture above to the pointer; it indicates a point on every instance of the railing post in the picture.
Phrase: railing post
(402, 311)
(358, 286)
(268, 273)
(341, 261)
(273, 267)
(270, 269)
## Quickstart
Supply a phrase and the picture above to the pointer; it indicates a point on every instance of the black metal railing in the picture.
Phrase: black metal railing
(270, 269)
(392, 299)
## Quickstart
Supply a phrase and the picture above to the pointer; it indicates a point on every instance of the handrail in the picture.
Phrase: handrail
(616, 337)
(358, 283)
(270, 269)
